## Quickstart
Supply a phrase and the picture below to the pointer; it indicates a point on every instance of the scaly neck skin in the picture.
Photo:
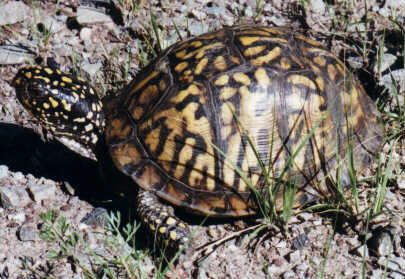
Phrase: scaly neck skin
(64, 105)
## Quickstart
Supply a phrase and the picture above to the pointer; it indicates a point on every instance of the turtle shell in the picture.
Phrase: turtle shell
(201, 120)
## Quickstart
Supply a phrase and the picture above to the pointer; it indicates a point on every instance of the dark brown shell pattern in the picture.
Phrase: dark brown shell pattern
(181, 128)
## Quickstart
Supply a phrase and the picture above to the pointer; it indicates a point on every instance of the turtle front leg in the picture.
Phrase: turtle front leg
(160, 219)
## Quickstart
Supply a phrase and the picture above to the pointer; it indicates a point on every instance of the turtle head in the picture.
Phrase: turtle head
(64, 105)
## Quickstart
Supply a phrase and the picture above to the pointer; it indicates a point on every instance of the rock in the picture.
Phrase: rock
(27, 233)
(14, 197)
(301, 241)
(294, 257)
(356, 62)
(381, 243)
(13, 12)
(400, 181)
(97, 217)
(85, 34)
(389, 264)
(362, 251)
(377, 274)
(52, 25)
(397, 275)
(18, 217)
(10, 54)
(89, 16)
(289, 275)
(91, 69)
(3, 171)
(397, 75)
(42, 191)
(384, 62)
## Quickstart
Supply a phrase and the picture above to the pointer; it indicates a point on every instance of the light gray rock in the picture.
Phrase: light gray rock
(89, 16)
(18, 217)
(10, 54)
(27, 233)
(14, 196)
(42, 191)
(384, 62)
(397, 75)
(13, 12)
(90, 68)
(52, 24)
(3, 171)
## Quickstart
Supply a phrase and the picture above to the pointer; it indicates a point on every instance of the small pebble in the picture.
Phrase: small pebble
(18, 217)
(13, 12)
(14, 197)
(3, 171)
(27, 233)
(42, 192)
(88, 16)
(97, 217)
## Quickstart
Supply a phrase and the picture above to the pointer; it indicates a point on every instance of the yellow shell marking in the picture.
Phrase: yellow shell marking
(301, 80)
(220, 63)
(152, 139)
(320, 60)
(192, 89)
(285, 63)
(320, 82)
(227, 92)
(331, 72)
(173, 235)
(46, 105)
(271, 55)
(181, 66)
(170, 221)
(28, 75)
(201, 66)
(185, 156)
(309, 41)
(222, 80)
(262, 77)
(144, 81)
(162, 230)
(247, 41)
(254, 50)
(242, 78)
(200, 52)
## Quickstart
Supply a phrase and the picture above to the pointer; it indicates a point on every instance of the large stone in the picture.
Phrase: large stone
(13, 197)
(13, 12)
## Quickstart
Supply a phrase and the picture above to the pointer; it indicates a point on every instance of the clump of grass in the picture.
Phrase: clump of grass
(116, 259)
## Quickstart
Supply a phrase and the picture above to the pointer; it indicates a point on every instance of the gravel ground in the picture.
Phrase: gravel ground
(108, 42)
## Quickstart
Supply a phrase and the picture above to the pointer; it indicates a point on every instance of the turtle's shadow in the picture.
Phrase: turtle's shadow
(23, 150)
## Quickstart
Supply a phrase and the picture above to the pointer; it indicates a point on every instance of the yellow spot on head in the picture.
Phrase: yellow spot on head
(55, 83)
(67, 79)
(173, 235)
(54, 103)
(48, 71)
(170, 221)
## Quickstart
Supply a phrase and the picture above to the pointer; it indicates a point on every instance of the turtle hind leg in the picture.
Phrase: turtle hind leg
(160, 219)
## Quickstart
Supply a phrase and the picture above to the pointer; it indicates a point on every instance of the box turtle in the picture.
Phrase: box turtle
(233, 98)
